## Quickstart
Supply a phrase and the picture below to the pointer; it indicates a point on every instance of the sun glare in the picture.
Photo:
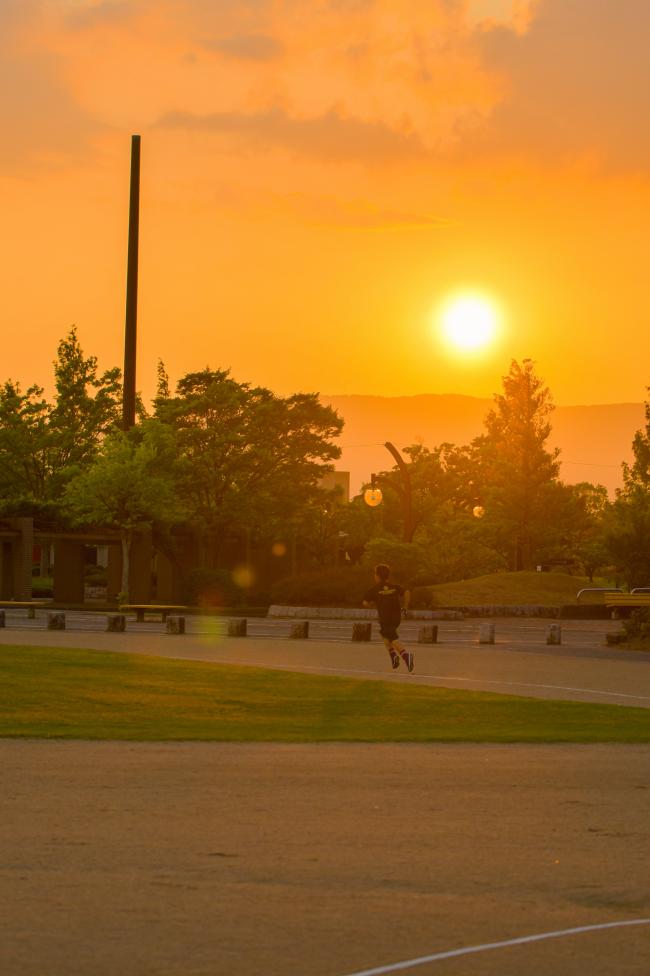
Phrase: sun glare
(469, 322)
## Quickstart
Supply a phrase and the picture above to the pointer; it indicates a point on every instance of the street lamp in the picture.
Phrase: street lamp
(407, 495)
(372, 496)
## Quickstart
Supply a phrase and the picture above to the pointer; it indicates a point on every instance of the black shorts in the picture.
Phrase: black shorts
(388, 629)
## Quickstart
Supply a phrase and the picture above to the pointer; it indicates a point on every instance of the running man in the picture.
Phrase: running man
(389, 598)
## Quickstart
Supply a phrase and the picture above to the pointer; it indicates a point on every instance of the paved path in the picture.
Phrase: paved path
(332, 860)
(321, 860)
(521, 663)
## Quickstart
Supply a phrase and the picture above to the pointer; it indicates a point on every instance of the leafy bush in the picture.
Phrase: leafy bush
(342, 586)
(637, 625)
(42, 586)
(211, 588)
(95, 576)
(408, 561)
(214, 588)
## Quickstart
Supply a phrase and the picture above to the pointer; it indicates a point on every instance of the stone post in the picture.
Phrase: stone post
(175, 625)
(116, 623)
(361, 632)
(299, 630)
(428, 634)
(56, 621)
(486, 634)
(554, 634)
(237, 627)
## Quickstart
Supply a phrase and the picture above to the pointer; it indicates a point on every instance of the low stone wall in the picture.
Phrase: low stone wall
(354, 613)
(510, 610)
(457, 613)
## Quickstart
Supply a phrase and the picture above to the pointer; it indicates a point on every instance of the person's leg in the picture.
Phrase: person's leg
(394, 656)
(407, 656)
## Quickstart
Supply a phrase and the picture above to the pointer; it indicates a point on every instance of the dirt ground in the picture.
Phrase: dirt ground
(320, 860)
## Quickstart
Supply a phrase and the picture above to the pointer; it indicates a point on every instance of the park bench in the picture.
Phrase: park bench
(29, 605)
(627, 601)
(164, 609)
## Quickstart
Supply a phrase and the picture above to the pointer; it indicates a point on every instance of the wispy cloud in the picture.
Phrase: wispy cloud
(330, 136)
(577, 82)
(247, 47)
(107, 14)
(353, 214)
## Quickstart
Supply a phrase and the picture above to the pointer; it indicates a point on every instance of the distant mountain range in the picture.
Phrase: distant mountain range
(594, 440)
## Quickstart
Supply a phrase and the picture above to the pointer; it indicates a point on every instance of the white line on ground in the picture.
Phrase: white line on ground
(449, 677)
(561, 933)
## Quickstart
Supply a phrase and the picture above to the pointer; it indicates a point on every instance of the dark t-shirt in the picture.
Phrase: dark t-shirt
(387, 597)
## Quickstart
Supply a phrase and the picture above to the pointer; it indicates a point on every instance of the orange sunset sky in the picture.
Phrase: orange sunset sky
(317, 177)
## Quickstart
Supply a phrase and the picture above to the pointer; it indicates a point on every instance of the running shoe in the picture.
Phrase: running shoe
(408, 660)
(394, 659)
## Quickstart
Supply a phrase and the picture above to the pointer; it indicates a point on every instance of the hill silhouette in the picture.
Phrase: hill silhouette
(594, 440)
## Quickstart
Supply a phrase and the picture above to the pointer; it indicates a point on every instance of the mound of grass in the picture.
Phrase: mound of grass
(78, 694)
(544, 589)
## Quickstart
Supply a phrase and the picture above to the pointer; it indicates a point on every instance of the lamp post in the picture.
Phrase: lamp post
(407, 493)
(372, 496)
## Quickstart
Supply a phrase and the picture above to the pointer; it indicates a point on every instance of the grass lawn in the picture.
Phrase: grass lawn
(545, 589)
(79, 694)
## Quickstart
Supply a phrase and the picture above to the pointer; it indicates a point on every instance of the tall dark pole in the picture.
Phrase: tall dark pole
(131, 326)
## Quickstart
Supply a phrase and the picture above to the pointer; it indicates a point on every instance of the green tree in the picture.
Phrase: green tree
(24, 440)
(42, 444)
(628, 527)
(129, 484)
(515, 471)
(86, 408)
(248, 460)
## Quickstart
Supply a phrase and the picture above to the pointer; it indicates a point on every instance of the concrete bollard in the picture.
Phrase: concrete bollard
(554, 634)
(116, 623)
(237, 627)
(428, 634)
(299, 630)
(56, 621)
(361, 632)
(175, 625)
(486, 634)
(31, 613)
(2, 618)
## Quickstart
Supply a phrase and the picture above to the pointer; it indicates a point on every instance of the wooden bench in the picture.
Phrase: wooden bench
(29, 605)
(164, 609)
(627, 601)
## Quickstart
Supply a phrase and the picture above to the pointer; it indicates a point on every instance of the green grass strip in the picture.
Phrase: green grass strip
(78, 694)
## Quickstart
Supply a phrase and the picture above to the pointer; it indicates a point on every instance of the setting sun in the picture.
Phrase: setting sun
(469, 322)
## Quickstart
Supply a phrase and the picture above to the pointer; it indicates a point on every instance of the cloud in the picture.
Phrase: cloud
(247, 47)
(105, 14)
(578, 82)
(330, 136)
(353, 214)
(43, 124)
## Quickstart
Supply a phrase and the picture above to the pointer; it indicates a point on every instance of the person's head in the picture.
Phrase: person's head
(382, 572)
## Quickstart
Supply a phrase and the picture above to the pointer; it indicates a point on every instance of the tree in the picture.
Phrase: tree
(42, 444)
(628, 526)
(24, 461)
(86, 408)
(516, 473)
(129, 484)
(248, 459)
